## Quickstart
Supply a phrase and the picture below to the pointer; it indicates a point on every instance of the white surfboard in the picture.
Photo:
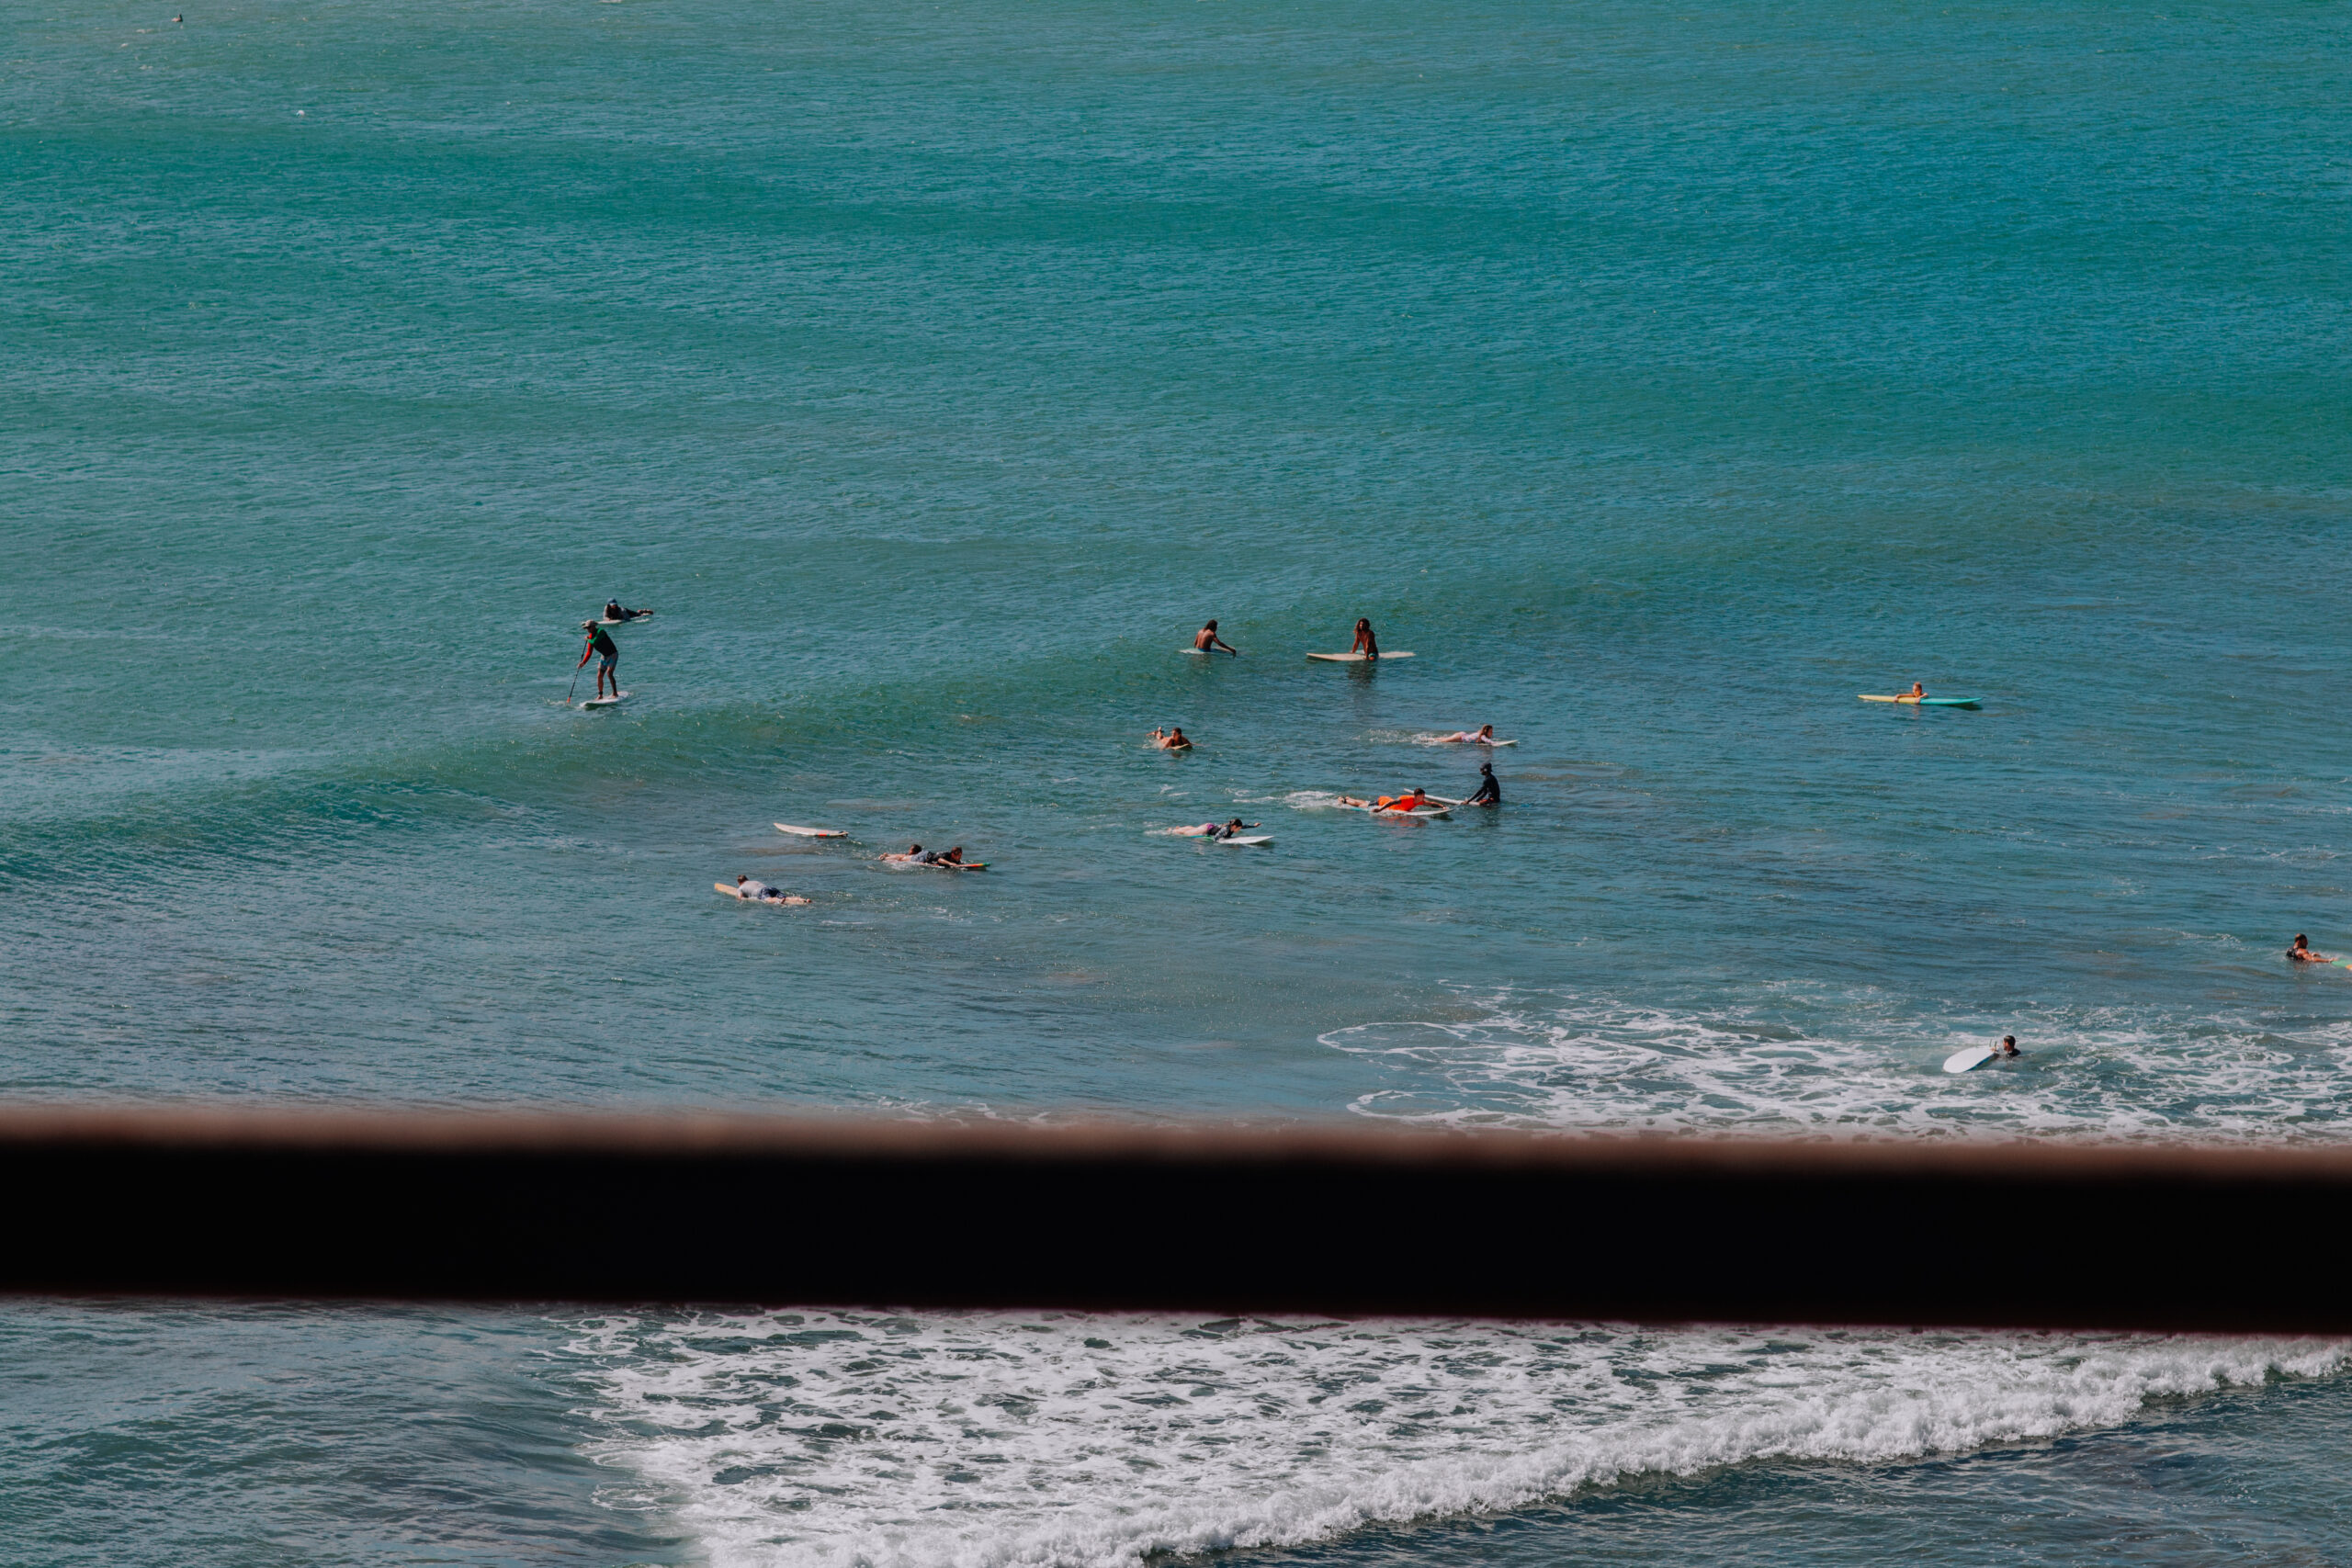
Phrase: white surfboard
(630, 621)
(1205, 651)
(1376, 811)
(1960, 1061)
(1259, 839)
(811, 832)
(604, 702)
(1353, 658)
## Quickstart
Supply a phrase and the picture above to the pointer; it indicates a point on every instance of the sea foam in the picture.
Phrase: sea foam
(1004, 1441)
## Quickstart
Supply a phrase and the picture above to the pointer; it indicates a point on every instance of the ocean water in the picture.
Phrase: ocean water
(1660, 377)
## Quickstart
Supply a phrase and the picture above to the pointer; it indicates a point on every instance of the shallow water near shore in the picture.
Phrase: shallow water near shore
(1661, 380)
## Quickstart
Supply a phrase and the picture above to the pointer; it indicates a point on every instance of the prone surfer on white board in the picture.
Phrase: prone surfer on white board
(1206, 640)
(1171, 739)
(1365, 643)
(2302, 952)
(759, 892)
(601, 646)
(614, 612)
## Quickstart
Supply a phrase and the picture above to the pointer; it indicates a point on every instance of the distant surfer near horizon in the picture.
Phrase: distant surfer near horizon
(2302, 952)
(1205, 641)
(1489, 792)
(1365, 643)
(604, 647)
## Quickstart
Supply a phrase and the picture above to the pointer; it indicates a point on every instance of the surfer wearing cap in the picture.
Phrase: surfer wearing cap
(1489, 792)
(1365, 643)
(613, 611)
(2302, 952)
(1205, 641)
(601, 646)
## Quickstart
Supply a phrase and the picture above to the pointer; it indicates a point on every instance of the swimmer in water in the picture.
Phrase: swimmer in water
(2302, 952)
(1207, 639)
(1365, 643)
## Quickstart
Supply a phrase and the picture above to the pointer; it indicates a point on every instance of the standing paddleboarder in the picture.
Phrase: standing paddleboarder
(599, 645)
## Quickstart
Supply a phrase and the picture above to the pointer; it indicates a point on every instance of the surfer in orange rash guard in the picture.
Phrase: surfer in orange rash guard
(1365, 643)
(1413, 801)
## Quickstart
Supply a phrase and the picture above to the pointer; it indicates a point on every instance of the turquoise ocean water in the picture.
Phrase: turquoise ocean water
(1660, 377)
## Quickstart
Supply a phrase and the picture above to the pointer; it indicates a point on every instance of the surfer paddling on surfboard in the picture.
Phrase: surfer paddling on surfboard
(1172, 740)
(604, 647)
(757, 892)
(1205, 641)
(615, 614)
(2302, 952)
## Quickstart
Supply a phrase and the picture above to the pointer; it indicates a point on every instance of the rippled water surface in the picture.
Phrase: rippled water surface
(1660, 379)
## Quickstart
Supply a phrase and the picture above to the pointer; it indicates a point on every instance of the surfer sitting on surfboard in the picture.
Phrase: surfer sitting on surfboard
(2302, 952)
(1489, 792)
(1365, 643)
(1207, 638)
(601, 645)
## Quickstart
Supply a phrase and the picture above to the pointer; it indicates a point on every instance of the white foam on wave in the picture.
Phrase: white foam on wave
(1001, 1440)
(1593, 1063)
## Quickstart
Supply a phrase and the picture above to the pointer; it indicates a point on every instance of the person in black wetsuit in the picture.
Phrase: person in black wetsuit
(1489, 793)
(599, 645)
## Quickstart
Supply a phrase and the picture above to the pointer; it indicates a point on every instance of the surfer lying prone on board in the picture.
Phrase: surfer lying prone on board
(2302, 952)
(952, 860)
(1414, 799)
(1171, 739)
(759, 892)
(1483, 736)
(614, 612)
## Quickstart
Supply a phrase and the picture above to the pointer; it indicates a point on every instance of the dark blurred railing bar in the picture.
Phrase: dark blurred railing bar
(591, 1208)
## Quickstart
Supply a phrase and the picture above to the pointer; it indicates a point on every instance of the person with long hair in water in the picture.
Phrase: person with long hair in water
(1365, 643)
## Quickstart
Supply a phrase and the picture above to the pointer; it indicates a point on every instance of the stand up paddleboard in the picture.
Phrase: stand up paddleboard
(1960, 1061)
(604, 702)
(811, 832)
(1354, 658)
(1924, 702)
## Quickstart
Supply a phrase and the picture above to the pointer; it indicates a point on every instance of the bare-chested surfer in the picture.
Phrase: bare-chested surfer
(1205, 641)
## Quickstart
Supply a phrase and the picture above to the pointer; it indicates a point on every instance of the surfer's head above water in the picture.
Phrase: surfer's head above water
(2008, 1045)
